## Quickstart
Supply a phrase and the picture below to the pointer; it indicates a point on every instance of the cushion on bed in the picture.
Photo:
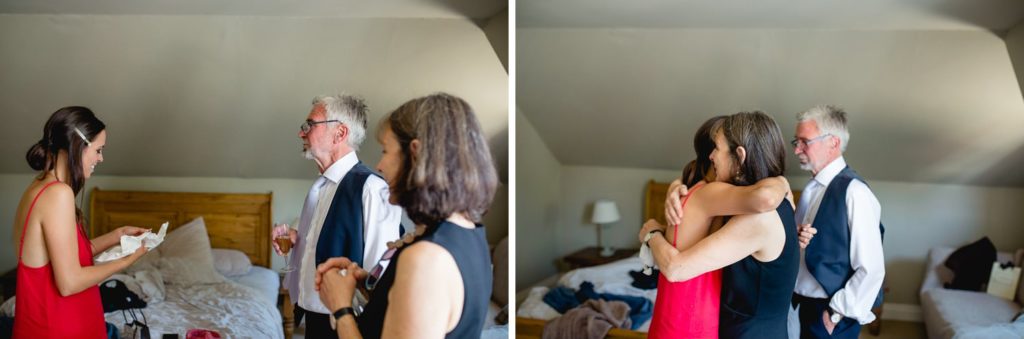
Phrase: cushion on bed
(231, 263)
(186, 258)
(971, 265)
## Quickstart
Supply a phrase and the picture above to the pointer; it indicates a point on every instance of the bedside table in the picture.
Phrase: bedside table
(287, 308)
(591, 256)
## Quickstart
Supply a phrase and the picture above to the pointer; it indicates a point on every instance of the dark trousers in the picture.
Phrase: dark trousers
(318, 325)
(812, 325)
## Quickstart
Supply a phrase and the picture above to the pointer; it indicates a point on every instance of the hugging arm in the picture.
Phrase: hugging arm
(729, 199)
(740, 237)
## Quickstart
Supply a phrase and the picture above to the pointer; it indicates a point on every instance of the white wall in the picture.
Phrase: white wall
(1015, 46)
(538, 211)
(582, 185)
(496, 29)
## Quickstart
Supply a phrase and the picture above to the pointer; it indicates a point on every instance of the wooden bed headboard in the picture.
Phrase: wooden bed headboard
(233, 221)
(654, 201)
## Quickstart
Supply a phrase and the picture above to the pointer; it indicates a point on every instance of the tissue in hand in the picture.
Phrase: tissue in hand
(129, 244)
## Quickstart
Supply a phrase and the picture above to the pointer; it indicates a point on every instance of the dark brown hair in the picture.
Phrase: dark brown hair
(59, 134)
(703, 145)
(758, 133)
(452, 171)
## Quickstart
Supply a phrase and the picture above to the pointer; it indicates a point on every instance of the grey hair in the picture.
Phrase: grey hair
(350, 110)
(830, 120)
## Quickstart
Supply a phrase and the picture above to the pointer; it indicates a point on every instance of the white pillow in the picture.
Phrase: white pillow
(185, 256)
(230, 262)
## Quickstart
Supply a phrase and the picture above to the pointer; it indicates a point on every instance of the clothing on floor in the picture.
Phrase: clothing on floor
(593, 319)
(563, 299)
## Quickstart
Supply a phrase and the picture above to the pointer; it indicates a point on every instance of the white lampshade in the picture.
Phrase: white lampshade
(605, 211)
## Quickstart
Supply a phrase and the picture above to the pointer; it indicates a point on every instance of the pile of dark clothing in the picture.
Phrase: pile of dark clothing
(601, 311)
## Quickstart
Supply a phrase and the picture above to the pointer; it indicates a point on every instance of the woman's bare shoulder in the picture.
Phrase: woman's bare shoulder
(425, 254)
(59, 193)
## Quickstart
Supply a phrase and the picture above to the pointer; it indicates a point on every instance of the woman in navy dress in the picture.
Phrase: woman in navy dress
(439, 169)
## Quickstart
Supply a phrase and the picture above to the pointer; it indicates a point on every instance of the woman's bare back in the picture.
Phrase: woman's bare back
(34, 252)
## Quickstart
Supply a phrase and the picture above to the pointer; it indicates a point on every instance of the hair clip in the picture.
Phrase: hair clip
(82, 135)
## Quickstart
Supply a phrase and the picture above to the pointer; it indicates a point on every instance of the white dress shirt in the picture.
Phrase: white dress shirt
(380, 224)
(855, 299)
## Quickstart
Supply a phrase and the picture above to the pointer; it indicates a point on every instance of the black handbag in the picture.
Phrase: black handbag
(137, 328)
(116, 296)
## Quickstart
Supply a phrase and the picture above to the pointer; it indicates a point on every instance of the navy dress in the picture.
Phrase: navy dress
(472, 256)
(756, 295)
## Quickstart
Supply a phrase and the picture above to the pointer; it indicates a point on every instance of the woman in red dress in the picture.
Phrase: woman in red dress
(690, 308)
(57, 293)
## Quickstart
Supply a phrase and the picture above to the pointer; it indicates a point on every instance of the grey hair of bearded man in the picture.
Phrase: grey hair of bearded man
(830, 120)
(350, 110)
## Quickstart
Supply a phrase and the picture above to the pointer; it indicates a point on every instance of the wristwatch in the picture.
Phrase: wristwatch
(650, 235)
(341, 312)
(834, 316)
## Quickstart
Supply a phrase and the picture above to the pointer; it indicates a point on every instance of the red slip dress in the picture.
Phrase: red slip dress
(40, 310)
(687, 309)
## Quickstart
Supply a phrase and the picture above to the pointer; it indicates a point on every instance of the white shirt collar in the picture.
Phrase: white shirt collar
(339, 168)
(830, 171)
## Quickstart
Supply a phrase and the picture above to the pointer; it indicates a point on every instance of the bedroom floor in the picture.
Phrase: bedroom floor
(893, 329)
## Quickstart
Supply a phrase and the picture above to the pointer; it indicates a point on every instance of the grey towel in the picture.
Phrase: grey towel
(592, 319)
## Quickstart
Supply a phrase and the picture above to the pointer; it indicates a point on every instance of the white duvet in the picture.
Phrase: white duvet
(608, 278)
(234, 310)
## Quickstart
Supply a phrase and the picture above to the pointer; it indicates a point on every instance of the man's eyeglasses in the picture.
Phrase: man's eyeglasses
(801, 143)
(378, 270)
(308, 125)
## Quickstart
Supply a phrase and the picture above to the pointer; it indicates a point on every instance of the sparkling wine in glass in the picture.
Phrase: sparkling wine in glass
(285, 243)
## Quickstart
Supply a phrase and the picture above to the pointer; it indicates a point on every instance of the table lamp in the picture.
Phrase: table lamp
(605, 212)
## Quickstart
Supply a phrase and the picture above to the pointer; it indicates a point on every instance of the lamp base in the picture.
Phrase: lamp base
(607, 251)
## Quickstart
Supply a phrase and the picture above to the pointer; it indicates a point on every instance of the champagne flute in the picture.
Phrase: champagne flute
(284, 242)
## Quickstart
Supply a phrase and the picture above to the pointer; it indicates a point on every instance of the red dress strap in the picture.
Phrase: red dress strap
(21, 242)
(675, 232)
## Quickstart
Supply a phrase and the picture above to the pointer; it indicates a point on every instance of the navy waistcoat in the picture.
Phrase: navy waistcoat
(342, 232)
(828, 255)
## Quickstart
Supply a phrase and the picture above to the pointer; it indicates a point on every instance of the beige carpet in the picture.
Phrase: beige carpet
(893, 329)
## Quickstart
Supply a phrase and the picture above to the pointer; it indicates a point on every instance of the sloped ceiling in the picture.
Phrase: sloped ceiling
(929, 85)
(440, 9)
(223, 95)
